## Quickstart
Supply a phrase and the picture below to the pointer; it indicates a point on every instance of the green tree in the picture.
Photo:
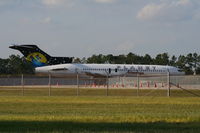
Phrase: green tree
(77, 60)
(192, 62)
(3, 66)
(198, 66)
(182, 64)
(147, 59)
(162, 59)
(96, 59)
(173, 60)
(15, 65)
(109, 59)
(132, 59)
(26, 67)
(195, 63)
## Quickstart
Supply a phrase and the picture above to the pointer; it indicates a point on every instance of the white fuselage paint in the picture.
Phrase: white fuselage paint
(111, 70)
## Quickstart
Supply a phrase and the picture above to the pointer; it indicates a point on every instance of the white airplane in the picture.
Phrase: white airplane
(47, 64)
(108, 70)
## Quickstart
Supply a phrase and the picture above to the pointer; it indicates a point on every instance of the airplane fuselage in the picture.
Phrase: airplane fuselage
(103, 70)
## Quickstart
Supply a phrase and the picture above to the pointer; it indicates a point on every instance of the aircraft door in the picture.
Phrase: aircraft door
(109, 70)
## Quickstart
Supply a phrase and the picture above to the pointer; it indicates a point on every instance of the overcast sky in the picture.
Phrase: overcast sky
(81, 28)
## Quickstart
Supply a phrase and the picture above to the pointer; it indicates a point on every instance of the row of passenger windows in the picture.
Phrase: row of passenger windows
(95, 69)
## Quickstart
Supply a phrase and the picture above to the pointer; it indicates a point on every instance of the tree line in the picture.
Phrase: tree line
(15, 65)
(189, 63)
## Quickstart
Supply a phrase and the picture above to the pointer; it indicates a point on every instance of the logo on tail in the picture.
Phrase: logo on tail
(37, 59)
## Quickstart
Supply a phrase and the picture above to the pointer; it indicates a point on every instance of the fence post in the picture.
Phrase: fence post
(168, 82)
(22, 84)
(138, 84)
(49, 84)
(121, 82)
(107, 85)
(77, 82)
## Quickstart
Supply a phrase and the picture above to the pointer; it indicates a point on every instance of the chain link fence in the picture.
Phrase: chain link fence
(139, 85)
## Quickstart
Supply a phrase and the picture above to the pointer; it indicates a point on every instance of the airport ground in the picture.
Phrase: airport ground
(99, 114)
(38, 107)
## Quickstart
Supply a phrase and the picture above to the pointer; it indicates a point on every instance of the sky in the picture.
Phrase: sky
(81, 28)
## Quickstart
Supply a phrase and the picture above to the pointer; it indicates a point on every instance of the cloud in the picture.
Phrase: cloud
(8, 2)
(2, 3)
(182, 2)
(168, 10)
(105, 1)
(33, 21)
(51, 2)
(46, 20)
(125, 47)
(197, 15)
(150, 11)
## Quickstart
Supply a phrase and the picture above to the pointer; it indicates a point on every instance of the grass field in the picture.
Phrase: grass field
(99, 114)
(62, 91)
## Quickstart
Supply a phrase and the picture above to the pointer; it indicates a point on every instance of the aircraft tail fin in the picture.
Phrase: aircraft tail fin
(38, 57)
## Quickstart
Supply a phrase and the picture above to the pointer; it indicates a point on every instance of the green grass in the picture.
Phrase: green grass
(99, 114)
(59, 91)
